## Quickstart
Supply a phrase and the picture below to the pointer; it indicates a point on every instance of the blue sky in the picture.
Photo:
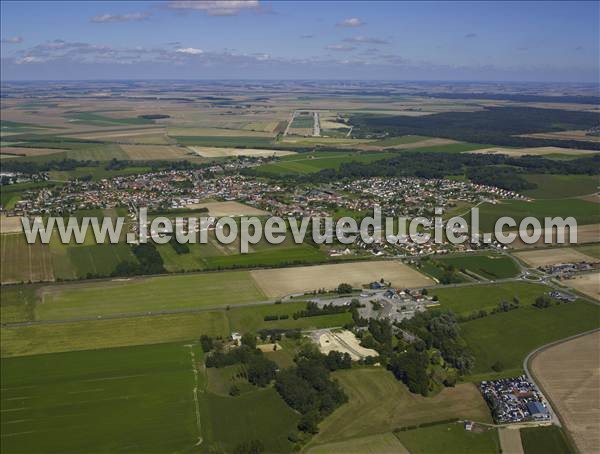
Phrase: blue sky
(523, 41)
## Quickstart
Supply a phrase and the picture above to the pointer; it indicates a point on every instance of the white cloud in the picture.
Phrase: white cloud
(12, 40)
(340, 47)
(130, 17)
(216, 7)
(189, 51)
(351, 22)
(365, 40)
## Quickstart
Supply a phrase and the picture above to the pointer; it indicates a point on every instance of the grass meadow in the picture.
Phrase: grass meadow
(449, 438)
(508, 337)
(545, 440)
(466, 300)
(147, 295)
(561, 186)
(488, 266)
(379, 403)
(121, 399)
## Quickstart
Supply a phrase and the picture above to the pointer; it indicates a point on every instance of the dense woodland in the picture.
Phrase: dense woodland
(494, 170)
(494, 125)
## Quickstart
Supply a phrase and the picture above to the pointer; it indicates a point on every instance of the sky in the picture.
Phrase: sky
(474, 41)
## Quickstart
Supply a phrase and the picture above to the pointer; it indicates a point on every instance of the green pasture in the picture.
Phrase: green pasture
(492, 266)
(450, 438)
(508, 337)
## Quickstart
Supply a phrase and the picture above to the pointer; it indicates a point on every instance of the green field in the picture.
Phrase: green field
(23, 262)
(95, 334)
(303, 121)
(449, 438)
(561, 186)
(545, 440)
(93, 118)
(489, 266)
(17, 303)
(225, 141)
(379, 403)
(583, 211)
(147, 294)
(508, 337)
(316, 161)
(466, 300)
(372, 444)
(132, 399)
(123, 399)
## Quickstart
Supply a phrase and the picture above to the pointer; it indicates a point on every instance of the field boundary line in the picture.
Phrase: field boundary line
(195, 394)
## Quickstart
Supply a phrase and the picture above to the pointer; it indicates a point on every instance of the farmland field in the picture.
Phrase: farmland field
(316, 161)
(148, 294)
(68, 402)
(588, 283)
(385, 443)
(545, 440)
(553, 256)
(283, 281)
(23, 262)
(585, 212)
(213, 152)
(379, 403)
(450, 438)
(95, 334)
(489, 266)
(508, 337)
(466, 300)
(561, 186)
(157, 152)
(567, 373)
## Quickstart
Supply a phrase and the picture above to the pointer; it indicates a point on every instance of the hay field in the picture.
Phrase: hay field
(589, 233)
(215, 152)
(10, 224)
(22, 262)
(156, 152)
(219, 209)
(379, 403)
(537, 151)
(283, 281)
(543, 257)
(570, 374)
(588, 284)
(386, 443)
(510, 440)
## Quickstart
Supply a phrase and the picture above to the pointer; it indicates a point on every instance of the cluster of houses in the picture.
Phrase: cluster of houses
(166, 189)
(514, 400)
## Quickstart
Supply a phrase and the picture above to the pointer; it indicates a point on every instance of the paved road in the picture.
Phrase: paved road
(316, 125)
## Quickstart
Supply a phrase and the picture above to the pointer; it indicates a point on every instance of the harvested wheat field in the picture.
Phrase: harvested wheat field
(156, 152)
(537, 151)
(215, 152)
(588, 284)
(10, 224)
(542, 257)
(218, 209)
(283, 281)
(589, 233)
(570, 375)
(510, 440)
